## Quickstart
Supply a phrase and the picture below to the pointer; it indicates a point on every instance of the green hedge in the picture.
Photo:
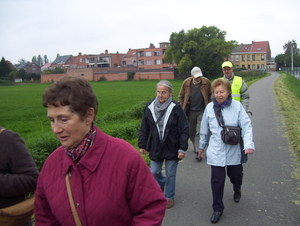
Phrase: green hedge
(124, 124)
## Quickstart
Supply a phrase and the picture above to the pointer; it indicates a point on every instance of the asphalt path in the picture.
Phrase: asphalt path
(268, 190)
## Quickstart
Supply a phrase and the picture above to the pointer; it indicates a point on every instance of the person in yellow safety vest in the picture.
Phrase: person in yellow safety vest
(239, 89)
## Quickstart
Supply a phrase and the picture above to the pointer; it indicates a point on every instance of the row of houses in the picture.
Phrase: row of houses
(146, 63)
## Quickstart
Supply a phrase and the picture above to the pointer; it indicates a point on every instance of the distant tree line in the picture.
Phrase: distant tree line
(8, 73)
(285, 59)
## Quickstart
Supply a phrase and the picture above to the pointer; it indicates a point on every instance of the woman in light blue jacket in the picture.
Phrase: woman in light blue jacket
(223, 156)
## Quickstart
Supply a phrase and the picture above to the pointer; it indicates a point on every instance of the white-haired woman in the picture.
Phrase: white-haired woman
(164, 133)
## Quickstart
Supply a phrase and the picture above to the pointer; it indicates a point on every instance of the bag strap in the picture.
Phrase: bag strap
(1, 130)
(74, 211)
(219, 118)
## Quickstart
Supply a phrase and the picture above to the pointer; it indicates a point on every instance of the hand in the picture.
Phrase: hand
(249, 151)
(201, 154)
(181, 155)
(143, 151)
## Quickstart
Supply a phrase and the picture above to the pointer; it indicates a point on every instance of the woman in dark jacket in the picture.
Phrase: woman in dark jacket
(18, 171)
(164, 133)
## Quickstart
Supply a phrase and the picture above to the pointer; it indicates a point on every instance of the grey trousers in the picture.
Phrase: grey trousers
(194, 119)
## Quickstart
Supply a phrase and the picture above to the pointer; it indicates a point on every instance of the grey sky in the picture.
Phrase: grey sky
(33, 27)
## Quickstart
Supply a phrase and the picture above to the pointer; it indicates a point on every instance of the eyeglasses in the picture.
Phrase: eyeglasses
(161, 93)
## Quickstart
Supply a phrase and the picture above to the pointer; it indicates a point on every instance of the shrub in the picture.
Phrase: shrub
(101, 79)
(130, 75)
(41, 147)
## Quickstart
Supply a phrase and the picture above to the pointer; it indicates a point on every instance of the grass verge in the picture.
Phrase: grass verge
(288, 94)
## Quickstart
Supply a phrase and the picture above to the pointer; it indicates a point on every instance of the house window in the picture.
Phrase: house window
(148, 53)
(263, 57)
(232, 58)
(156, 53)
(91, 60)
(82, 59)
(253, 66)
(148, 62)
(141, 62)
(124, 63)
(156, 61)
(262, 66)
(258, 48)
(248, 58)
(237, 58)
(253, 59)
(141, 53)
(243, 58)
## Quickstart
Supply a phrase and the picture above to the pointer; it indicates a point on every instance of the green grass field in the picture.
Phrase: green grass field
(22, 109)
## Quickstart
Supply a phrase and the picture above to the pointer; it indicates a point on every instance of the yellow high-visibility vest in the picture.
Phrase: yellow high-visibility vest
(236, 86)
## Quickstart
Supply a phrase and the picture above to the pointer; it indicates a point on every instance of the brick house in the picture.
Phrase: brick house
(29, 68)
(254, 56)
(147, 58)
(115, 66)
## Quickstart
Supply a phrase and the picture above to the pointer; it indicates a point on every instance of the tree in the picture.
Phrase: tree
(280, 61)
(205, 47)
(46, 59)
(21, 61)
(33, 60)
(285, 60)
(40, 61)
(4, 68)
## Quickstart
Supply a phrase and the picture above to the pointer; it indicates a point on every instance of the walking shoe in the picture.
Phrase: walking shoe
(237, 196)
(170, 203)
(215, 217)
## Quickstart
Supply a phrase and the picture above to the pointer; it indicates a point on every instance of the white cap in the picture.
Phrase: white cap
(196, 72)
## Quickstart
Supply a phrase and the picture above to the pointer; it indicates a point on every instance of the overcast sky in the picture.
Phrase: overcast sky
(33, 27)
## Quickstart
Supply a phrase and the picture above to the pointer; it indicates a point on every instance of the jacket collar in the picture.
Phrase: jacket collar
(92, 157)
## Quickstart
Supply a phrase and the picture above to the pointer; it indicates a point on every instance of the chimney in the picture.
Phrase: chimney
(106, 51)
(79, 54)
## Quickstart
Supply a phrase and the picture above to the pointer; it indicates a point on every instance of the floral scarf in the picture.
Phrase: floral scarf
(76, 153)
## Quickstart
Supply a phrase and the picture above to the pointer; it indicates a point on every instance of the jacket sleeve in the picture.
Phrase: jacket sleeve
(247, 133)
(183, 126)
(204, 130)
(21, 173)
(42, 210)
(245, 95)
(144, 130)
(181, 95)
(146, 200)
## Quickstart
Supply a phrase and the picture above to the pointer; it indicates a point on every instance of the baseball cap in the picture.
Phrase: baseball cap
(227, 64)
(196, 72)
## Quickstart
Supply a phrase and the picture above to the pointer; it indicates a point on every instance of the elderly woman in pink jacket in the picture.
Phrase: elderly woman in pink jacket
(110, 184)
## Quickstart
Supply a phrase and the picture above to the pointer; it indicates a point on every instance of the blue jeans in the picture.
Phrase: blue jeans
(169, 180)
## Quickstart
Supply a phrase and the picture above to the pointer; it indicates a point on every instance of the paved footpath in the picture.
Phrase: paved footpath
(268, 189)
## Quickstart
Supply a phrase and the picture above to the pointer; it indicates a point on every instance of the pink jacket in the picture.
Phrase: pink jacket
(111, 185)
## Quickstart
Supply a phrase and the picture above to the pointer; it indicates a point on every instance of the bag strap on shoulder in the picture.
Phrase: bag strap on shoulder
(71, 200)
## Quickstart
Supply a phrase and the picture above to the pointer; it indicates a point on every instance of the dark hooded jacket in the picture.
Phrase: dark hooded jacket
(175, 132)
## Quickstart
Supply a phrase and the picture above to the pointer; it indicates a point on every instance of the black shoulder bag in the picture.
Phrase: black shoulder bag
(150, 133)
(229, 134)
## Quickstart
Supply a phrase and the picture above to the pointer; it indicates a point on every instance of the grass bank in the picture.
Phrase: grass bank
(288, 94)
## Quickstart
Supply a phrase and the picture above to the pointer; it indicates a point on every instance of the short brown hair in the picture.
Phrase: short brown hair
(75, 92)
(223, 82)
